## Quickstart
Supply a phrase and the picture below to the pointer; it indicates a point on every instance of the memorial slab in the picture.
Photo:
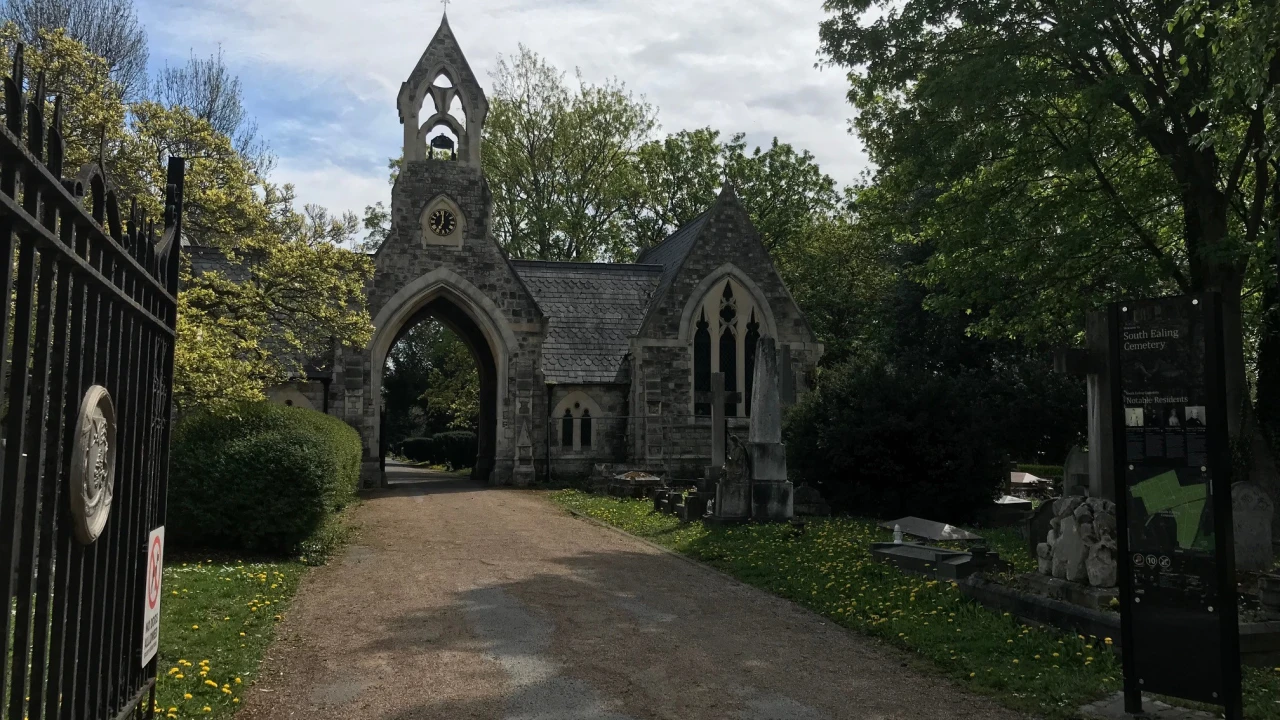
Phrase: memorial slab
(931, 529)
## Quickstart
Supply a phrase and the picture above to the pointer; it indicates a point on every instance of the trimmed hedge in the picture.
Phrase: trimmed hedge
(886, 442)
(456, 448)
(1048, 472)
(263, 479)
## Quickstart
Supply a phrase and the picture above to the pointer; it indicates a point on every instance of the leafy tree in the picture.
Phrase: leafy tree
(558, 160)
(93, 114)
(1057, 156)
(431, 384)
(208, 88)
(784, 191)
(675, 179)
(291, 292)
(109, 29)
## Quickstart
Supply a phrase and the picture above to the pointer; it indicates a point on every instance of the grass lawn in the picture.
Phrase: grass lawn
(828, 569)
(216, 619)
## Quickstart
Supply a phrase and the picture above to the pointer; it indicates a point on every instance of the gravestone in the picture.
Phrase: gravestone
(930, 529)
(733, 490)
(939, 563)
(1251, 512)
(808, 501)
(772, 494)
(1075, 472)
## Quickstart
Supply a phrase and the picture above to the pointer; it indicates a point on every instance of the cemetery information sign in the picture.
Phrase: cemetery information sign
(1178, 601)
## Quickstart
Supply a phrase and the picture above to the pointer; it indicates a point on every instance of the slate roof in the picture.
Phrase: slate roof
(592, 311)
(670, 253)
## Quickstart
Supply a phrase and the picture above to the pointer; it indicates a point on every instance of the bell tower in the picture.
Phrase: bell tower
(440, 86)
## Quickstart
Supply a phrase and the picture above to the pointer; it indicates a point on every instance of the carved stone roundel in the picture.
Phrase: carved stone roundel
(93, 464)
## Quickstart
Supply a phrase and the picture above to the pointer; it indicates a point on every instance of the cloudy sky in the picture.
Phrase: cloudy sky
(321, 76)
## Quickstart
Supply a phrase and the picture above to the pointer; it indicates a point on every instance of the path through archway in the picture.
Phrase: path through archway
(456, 323)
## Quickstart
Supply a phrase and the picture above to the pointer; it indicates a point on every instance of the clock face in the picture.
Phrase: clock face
(443, 222)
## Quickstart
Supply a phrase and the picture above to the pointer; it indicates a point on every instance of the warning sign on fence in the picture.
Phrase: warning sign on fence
(151, 596)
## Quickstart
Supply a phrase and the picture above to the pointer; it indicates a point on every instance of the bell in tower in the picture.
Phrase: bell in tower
(444, 144)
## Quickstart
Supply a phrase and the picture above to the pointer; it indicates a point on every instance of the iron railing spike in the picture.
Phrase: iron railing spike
(35, 119)
(56, 147)
(15, 108)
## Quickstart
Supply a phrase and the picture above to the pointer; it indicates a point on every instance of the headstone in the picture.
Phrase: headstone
(1038, 526)
(1005, 511)
(1251, 512)
(1075, 472)
(1269, 595)
(772, 497)
(808, 501)
(897, 534)
(733, 491)
(930, 529)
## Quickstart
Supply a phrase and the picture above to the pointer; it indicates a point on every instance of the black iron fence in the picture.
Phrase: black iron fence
(86, 344)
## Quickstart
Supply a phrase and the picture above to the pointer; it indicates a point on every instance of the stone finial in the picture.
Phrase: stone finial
(897, 534)
(766, 405)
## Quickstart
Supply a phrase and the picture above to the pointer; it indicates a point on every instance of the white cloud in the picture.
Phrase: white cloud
(322, 75)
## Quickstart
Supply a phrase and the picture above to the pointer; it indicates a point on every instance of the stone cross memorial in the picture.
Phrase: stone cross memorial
(717, 398)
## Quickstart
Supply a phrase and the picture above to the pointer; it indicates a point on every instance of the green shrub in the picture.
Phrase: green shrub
(264, 479)
(888, 442)
(418, 449)
(1048, 472)
(457, 449)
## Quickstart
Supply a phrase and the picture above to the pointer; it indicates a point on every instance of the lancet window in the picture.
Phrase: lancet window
(728, 315)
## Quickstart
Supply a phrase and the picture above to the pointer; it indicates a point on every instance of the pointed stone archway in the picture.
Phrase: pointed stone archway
(456, 303)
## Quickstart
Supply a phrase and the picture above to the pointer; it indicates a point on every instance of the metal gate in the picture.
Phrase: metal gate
(87, 353)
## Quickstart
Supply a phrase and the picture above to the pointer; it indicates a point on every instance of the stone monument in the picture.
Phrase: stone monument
(1251, 514)
(1081, 543)
(772, 494)
(1075, 472)
(733, 490)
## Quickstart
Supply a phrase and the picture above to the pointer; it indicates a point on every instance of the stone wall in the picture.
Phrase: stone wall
(609, 430)
(405, 257)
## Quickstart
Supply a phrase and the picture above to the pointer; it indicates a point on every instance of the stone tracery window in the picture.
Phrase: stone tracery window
(736, 326)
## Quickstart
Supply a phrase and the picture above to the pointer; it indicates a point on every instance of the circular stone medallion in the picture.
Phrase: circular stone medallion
(93, 464)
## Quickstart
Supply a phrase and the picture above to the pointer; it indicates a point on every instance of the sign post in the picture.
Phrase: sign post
(1178, 623)
(151, 595)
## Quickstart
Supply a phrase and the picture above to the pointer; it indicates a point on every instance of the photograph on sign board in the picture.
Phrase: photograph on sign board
(1133, 417)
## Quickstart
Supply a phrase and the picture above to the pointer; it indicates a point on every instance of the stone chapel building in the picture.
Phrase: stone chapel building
(580, 363)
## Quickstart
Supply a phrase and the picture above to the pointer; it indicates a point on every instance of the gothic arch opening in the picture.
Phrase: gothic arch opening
(446, 298)
(436, 390)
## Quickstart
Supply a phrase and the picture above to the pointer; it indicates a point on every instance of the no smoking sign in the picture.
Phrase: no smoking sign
(151, 599)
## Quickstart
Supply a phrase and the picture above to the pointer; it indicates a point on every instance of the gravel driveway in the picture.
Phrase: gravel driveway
(462, 601)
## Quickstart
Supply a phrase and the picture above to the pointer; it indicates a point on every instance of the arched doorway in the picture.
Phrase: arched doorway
(454, 302)
(461, 326)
